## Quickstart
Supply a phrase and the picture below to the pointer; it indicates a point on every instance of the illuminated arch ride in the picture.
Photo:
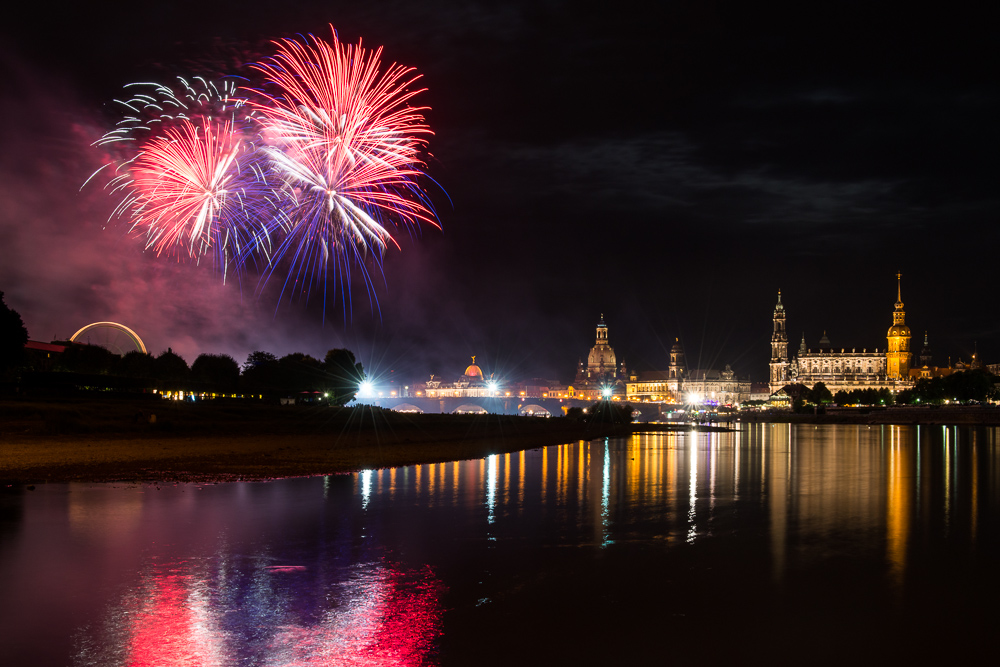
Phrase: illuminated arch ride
(111, 336)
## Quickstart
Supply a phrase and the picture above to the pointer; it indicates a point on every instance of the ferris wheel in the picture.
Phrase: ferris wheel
(113, 337)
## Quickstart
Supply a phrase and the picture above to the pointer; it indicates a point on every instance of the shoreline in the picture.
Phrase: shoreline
(143, 441)
(128, 441)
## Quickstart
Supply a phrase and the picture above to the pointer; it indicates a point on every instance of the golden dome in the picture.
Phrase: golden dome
(474, 371)
(899, 330)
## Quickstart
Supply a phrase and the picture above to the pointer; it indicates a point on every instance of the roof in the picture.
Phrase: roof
(652, 376)
(44, 347)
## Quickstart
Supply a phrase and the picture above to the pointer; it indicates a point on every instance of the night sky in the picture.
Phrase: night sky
(671, 165)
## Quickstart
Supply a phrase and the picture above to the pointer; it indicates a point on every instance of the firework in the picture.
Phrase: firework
(191, 179)
(323, 159)
(346, 143)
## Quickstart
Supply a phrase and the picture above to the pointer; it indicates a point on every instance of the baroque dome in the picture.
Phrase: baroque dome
(474, 371)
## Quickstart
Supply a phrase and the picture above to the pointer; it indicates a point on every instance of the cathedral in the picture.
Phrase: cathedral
(602, 366)
(843, 370)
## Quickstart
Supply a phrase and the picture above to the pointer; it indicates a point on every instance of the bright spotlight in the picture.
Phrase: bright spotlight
(366, 389)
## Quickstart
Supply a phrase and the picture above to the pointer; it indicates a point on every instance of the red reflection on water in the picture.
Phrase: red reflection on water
(391, 618)
(172, 627)
(379, 616)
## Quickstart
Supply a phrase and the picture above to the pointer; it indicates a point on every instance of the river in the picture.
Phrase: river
(777, 543)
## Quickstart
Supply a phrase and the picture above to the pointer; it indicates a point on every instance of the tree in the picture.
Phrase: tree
(819, 394)
(218, 372)
(343, 375)
(13, 336)
(136, 364)
(260, 372)
(90, 359)
(171, 370)
(842, 398)
(258, 358)
(796, 391)
(972, 385)
(301, 372)
(885, 397)
(609, 412)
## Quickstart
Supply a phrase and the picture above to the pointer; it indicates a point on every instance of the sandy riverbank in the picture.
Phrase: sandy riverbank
(97, 441)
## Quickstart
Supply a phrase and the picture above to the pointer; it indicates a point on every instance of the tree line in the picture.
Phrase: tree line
(971, 386)
(336, 377)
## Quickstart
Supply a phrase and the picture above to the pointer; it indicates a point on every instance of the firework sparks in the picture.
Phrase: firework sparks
(193, 181)
(324, 159)
(346, 142)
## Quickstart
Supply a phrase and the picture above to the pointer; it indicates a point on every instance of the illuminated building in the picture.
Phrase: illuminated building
(601, 362)
(679, 385)
(843, 370)
(601, 377)
(779, 348)
(898, 353)
(715, 387)
(472, 383)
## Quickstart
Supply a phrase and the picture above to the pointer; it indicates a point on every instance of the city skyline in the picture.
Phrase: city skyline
(670, 167)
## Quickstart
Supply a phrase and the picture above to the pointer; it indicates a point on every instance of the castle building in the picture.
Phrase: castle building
(843, 370)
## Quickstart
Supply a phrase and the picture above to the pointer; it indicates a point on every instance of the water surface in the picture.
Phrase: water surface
(782, 543)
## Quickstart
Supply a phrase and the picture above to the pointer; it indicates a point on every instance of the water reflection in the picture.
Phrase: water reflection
(216, 613)
(419, 565)
(817, 485)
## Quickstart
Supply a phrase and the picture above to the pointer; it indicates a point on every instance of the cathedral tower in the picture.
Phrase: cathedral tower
(898, 355)
(925, 352)
(675, 376)
(601, 362)
(779, 349)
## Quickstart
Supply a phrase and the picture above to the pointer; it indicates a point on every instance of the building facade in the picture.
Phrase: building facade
(841, 370)
(602, 377)
(472, 383)
(679, 385)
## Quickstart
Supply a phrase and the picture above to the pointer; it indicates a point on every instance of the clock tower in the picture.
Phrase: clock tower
(779, 349)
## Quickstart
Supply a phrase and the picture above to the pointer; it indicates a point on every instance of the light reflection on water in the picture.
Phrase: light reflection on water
(420, 565)
(185, 613)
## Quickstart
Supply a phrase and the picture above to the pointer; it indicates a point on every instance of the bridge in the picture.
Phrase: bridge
(511, 405)
(554, 407)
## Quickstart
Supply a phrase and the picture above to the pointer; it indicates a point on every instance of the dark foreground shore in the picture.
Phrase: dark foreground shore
(164, 441)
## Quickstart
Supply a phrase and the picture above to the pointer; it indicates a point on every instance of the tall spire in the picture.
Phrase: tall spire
(779, 348)
(898, 354)
(898, 317)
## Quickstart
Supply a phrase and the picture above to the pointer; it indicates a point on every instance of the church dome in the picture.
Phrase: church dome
(602, 356)
(899, 330)
(474, 371)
